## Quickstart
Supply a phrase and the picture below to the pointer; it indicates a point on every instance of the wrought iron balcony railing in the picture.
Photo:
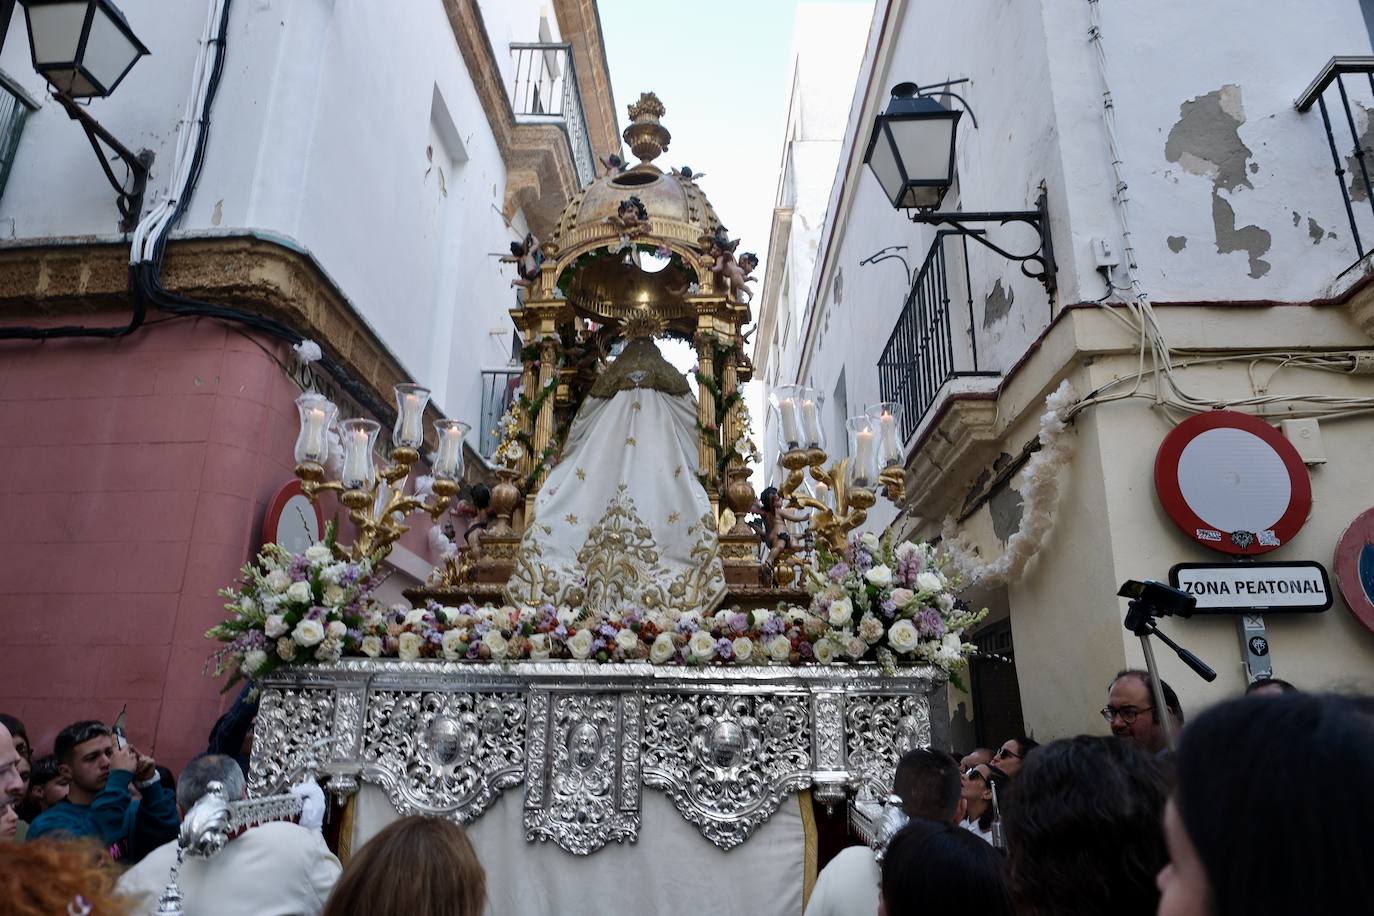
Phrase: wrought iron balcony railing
(1344, 94)
(925, 351)
(15, 105)
(545, 91)
(498, 391)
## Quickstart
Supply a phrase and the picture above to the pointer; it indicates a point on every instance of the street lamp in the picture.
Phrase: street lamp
(911, 153)
(84, 48)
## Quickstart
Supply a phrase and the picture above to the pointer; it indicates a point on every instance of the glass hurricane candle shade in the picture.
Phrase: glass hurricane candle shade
(863, 451)
(409, 431)
(812, 403)
(448, 460)
(317, 416)
(887, 423)
(359, 439)
(786, 403)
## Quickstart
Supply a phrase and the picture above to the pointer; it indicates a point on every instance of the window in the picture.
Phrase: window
(15, 105)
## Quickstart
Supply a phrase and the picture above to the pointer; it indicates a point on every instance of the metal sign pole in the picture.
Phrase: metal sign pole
(1254, 647)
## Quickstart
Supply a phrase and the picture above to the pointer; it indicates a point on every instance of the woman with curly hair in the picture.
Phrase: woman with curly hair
(417, 866)
(1083, 828)
(51, 878)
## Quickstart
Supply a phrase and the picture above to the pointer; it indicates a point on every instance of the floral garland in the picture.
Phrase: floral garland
(1039, 498)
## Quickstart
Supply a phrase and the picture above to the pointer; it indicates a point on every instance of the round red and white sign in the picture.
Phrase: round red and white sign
(1233, 483)
(292, 519)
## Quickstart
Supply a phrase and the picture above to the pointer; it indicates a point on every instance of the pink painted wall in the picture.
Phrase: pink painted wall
(133, 479)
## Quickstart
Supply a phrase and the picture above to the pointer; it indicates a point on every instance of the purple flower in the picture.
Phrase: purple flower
(725, 650)
(839, 571)
(315, 613)
(598, 644)
(434, 637)
(738, 623)
(606, 630)
(930, 623)
(473, 648)
(805, 651)
(887, 608)
(773, 626)
(561, 631)
(686, 626)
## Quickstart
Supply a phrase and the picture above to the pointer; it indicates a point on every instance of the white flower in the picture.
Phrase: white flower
(540, 647)
(333, 573)
(626, 640)
(855, 647)
(951, 648)
(336, 629)
(448, 614)
(880, 576)
(869, 541)
(247, 605)
(760, 617)
(841, 612)
(779, 648)
(580, 644)
(904, 550)
(274, 626)
(278, 580)
(308, 633)
(307, 351)
(328, 651)
(286, 649)
(300, 591)
(870, 628)
(662, 649)
(825, 651)
(566, 616)
(334, 596)
(796, 615)
(945, 602)
(253, 662)
(702, 645)
(901, 597)
(496, 643)
(409, 646)
(744, 649)
(414, 616)
(902, 637)
(930, 581)
(371, 646)
(318, 554)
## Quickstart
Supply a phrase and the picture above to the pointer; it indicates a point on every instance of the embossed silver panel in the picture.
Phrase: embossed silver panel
(878, 731)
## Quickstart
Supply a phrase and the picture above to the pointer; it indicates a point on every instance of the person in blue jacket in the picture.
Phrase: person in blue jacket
(100, 803)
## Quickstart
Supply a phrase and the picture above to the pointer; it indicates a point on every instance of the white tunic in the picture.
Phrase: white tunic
(847, 886)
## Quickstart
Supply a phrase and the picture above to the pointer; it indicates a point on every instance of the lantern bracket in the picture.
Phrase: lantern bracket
(1038, 264)
(923, 92)
(130, 197)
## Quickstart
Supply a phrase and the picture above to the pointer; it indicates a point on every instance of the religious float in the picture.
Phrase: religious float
(627, 698)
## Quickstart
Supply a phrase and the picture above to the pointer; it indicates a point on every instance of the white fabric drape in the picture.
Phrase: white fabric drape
(622, 519)
(671, 870)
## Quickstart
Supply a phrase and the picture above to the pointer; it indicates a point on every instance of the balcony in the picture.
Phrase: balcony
(498, 391)
(545, 91)
(15, 105)
(1344, 94)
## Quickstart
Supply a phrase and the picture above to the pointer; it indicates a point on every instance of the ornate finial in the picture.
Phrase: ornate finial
(642, 322)
(647, 138)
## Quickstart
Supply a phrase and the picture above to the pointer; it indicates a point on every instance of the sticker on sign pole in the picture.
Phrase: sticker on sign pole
(1232, 483)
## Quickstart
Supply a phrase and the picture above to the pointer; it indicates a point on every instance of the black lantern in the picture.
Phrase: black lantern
(911, 151)
(83, 48)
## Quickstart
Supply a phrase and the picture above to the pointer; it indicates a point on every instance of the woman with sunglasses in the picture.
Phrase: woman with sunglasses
(1012, 754)
(977, 792)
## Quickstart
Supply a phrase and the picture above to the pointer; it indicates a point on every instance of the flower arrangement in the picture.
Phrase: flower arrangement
(292, 608)
(887, 603)
(509, 451)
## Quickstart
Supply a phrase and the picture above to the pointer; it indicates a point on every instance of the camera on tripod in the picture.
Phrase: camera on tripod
(1159, 600)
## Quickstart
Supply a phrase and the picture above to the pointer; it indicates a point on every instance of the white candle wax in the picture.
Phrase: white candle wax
(314, 434)
(863, 451)
(791, 430)
(411, 418)
(822, 492)
(357, 469)
(891, 454)
(811, 421)
(446, 461)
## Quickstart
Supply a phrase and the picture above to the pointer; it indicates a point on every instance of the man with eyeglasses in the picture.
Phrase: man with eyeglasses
(1131, 713)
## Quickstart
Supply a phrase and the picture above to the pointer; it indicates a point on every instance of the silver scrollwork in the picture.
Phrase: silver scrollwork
(878, 731)
(288, 724)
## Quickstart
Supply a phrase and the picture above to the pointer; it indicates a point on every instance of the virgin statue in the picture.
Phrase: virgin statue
(622, 521)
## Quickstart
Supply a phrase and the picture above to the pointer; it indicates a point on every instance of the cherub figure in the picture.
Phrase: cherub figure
(614, 164)
(686, 173)
(528, 259)
(775, 518)
(632, 219)
(742, 359)
(737, 274)
(720, 248)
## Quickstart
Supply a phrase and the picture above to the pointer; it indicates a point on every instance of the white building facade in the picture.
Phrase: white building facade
(1187, 195)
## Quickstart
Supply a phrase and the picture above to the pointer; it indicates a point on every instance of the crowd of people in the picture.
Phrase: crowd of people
(1259, 811)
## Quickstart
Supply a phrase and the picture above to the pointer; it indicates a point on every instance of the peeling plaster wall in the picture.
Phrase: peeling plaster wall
(333, 125)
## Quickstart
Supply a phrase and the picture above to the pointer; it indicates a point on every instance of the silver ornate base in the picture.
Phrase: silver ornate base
(726, 744)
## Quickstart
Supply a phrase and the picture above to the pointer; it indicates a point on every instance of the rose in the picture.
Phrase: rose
(663, 649)
(744, 649)
(841, 612)
(626, 640)
(496, 643)
(278, 580)
(902, 636)
(930, 582)
(870, 628)
(779, 648)
(447, 614)
(566, 616)
(299, 591)
(308, 633)
(318, 554)
(333, 596)
(286, 649)
(415, 616)
(901, 597)
(274, 626)
(540, 647)
(253, 662)
(702, 645)
(855, 648)
(336, 629)
(951, 648)
(825, 651)
(328, 651)
(408, 647)
(880, 576)
(371, 646)
(869, 542)
(333, 573)
(945, 602)
(796, 614)
(760, 617)
(449, 642)
(580, 644)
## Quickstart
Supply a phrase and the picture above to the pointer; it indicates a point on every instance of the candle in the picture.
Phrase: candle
(449, 459)
(315, 422)
(791, 431)
(357, 470)
(863, 452)
(412, 433)
(811, 420)
(822, 492)
(891, 454)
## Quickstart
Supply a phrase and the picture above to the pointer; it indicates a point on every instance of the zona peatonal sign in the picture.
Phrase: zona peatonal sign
(1229, 588)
